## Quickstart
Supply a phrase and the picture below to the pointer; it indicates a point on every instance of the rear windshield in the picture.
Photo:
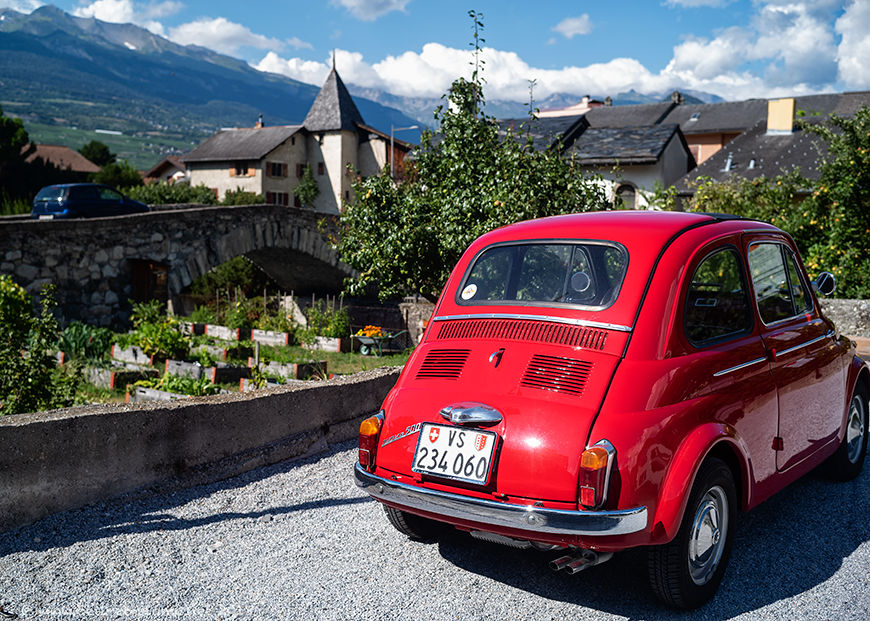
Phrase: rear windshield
(51, 193)
(588, 274)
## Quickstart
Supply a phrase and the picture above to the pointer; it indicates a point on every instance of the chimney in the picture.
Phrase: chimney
(780, 116)
(259, 124)
(677, 98)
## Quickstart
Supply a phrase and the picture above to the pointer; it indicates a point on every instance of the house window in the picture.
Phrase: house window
(241, 169)
(293, 140)
(319, 168)
(278, 198)
(297, 202)
(299, 169)
(277, 169)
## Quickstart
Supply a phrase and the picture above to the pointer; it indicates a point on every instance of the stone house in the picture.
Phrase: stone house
(333, 141)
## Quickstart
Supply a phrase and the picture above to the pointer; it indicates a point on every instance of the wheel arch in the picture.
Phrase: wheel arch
(710, 440)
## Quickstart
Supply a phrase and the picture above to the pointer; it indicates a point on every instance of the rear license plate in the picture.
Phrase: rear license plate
(46, 217)
(455, 453)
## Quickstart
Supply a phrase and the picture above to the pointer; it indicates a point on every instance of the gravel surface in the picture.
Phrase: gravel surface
(300, 541)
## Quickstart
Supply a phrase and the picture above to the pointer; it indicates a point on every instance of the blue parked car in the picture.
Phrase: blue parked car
(82, 200)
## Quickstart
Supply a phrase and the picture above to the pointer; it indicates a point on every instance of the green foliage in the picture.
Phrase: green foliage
(118, 175)
(839, 206)
(155, 333)
(29, 378)
(13, 139)
(237, 273)
(12, 206)
(202, 314)
(172, 193)
(98, 152)
(84, 342)
(181, 385)
(242, 197)
(306, 190)
(324, 320)
(466, 180)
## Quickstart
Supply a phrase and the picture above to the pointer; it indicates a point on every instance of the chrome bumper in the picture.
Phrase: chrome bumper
(523, 517)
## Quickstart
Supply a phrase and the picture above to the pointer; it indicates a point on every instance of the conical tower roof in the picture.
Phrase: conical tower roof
(333, 108)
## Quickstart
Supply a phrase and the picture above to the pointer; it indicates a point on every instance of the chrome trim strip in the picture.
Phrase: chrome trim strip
(826, 335)
(482, 511)
(573, 322)
(738, 367)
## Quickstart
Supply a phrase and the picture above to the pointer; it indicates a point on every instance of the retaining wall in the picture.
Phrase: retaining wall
(52, 461)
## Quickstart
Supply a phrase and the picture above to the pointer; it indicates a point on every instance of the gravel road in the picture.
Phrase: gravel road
(299, 541)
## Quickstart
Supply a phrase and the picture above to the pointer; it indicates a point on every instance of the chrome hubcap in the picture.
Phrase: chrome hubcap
(855, 429)
(708, 534)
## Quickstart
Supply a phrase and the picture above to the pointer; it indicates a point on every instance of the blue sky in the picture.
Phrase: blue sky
(736, 49)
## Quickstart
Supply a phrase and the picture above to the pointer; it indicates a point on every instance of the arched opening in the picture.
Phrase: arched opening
(625, 197)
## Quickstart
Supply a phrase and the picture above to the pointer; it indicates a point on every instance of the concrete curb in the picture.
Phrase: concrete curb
(63, 459)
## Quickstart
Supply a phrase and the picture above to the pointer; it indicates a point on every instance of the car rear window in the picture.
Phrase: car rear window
(588, 274)
(51, 193)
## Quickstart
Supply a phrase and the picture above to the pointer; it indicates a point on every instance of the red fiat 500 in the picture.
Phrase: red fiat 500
(595, 382)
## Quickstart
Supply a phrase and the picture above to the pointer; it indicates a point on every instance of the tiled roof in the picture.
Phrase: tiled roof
(738, 116)
(241, 144)
(168, 162)
(629, 116)
(755, 153)
(545, 131)
(333, 108)
(64, 158)
(627, 145)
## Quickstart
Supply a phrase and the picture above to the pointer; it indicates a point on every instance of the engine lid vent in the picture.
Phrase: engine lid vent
(523, 330)
(443, 364)
(557, 374)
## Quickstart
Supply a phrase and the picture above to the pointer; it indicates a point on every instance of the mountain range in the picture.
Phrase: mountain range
(61, 71)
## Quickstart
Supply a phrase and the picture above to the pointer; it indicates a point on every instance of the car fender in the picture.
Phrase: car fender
(698, 445)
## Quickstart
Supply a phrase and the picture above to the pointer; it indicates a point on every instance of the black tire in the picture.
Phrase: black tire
(846, 463)
(681, 573)
(414, 526)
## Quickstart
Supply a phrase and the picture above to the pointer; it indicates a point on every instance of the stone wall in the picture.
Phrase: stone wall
(852, 317)
(53, 461)
(92, 261)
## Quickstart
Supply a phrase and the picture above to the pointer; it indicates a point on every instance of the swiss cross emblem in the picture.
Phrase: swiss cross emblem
(479, 442)
(433, 434)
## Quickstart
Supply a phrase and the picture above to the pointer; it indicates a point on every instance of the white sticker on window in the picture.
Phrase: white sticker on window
(469, 292)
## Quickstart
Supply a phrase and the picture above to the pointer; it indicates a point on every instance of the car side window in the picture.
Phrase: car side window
(779, 291)
(802, 301)
(108, 194)
(717, 306)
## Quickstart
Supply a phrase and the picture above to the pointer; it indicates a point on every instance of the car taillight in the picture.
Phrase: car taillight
(596, 463)
(369, 432)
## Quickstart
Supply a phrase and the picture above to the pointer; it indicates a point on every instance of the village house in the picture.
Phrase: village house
(333, 142)
(76, 165)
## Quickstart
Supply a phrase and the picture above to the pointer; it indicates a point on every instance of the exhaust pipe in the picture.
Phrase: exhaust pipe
(584, 559)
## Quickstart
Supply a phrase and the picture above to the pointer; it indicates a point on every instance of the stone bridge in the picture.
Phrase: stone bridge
(99, 264)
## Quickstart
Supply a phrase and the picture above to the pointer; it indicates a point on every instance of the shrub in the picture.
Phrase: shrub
(172, 193)
(83, 342)
(29, 377)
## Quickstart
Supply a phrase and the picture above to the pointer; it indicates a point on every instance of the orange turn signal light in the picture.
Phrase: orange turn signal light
(370, 426)
(594, 458)
(369, 432)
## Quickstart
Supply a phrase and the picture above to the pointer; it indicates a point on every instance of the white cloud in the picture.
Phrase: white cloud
(128, 12)
(308, 71)
(370, 10)
(854, 50)
(22, 6)
(221, 35)
(297, 43)
(572, 26)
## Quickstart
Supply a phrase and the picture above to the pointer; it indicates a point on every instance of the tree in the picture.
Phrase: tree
(839, 206)
(13, 151)
(119, 175)
(98, 153)
(466, 179)
(306, 190)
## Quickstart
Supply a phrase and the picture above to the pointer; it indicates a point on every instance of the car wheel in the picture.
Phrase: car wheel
(847, 462)
(686, 572)
(412, 525)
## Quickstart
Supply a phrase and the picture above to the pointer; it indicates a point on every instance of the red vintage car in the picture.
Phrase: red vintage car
(595, 382)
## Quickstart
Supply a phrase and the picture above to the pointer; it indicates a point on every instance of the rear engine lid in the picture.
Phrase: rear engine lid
(545, 377)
